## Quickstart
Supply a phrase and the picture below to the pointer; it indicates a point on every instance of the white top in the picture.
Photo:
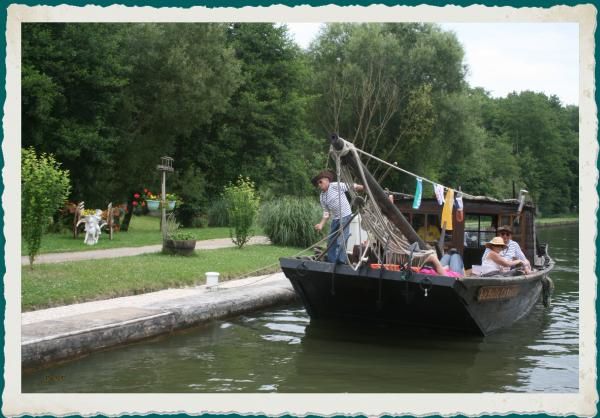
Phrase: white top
(331, 199)
(488, 265)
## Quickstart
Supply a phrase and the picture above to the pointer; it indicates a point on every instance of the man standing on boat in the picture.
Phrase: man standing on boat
(513, 249)
(336, 206)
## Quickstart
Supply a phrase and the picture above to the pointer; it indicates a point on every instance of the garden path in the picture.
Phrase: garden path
(210, 244)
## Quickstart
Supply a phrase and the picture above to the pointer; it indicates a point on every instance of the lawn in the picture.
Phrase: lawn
(73, 282)
(143, 230)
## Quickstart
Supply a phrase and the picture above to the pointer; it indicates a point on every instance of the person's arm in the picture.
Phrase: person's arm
(324, 219)
(519, 254)
(498, 259)
(359, 187)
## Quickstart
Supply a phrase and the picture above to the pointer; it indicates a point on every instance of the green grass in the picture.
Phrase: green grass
(557, 220)
(143, 230)
(73, 282)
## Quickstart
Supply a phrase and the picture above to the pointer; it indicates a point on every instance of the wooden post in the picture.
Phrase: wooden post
(387, 208)
(163, 218)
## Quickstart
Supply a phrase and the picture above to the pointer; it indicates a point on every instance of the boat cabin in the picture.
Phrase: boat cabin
(482, 216)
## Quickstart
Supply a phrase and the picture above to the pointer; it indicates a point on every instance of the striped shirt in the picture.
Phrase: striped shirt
(331, 199)
(511, 252)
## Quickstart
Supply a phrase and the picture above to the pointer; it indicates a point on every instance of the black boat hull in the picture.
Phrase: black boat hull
(472, 305)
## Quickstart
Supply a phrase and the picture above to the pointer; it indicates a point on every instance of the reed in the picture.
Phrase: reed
(290, 221)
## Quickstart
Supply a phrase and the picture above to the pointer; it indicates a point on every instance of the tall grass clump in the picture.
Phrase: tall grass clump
(290, 221)
(217, 213)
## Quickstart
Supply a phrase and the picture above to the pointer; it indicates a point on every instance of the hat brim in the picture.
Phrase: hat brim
(489, 245)
(322, 175)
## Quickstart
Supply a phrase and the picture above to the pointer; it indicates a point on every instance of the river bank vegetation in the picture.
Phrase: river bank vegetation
(107, 100)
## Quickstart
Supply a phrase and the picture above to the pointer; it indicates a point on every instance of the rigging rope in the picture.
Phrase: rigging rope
(373, 220)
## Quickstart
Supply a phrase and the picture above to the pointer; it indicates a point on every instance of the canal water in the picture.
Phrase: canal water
(279, 350)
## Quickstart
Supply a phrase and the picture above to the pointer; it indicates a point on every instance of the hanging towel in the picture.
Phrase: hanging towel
(439, 193)
(418, 194)
(447, 210)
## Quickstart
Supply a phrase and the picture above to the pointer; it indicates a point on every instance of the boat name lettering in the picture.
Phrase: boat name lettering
(497, 292)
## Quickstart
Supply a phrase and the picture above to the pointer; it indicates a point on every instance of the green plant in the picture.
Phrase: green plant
(173, 231)
(180, 235)
(44, 188)
(217, 213)
(290, 221)
(242, 204)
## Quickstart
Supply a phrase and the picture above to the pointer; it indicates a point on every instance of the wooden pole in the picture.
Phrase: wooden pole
(163, 219)
(387, 208)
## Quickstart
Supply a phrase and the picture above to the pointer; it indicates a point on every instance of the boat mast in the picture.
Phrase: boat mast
(387, 208)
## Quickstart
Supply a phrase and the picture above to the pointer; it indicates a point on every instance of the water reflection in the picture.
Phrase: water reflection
(282, 351)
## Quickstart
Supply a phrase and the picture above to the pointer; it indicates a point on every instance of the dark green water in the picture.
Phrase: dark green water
(280, 351)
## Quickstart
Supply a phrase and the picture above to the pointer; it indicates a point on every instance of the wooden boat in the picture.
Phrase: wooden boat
(399, 295)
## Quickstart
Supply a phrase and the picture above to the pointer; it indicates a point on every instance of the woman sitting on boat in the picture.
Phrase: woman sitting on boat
(493, 261)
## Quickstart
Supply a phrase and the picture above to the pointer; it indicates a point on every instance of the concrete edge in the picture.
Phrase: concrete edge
(42, 352)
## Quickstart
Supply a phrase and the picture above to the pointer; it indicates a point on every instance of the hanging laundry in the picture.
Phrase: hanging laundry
(418, 194)
(460, 215)
(447, 210)
(439, 193)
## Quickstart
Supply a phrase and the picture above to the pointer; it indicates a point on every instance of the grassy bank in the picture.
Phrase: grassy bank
(559, 220)
(143, 230)
(65, 283)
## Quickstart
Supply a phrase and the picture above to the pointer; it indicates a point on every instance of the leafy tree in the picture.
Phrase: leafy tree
(262, 134)
(242, 204)
(44, 188)
(382, 86)
(72, 81)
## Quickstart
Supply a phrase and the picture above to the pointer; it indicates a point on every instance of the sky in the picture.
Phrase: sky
(508, 57)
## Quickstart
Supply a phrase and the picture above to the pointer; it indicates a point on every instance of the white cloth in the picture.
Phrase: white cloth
(488, 265)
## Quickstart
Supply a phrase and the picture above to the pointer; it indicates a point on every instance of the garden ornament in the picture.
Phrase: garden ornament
(93, 223)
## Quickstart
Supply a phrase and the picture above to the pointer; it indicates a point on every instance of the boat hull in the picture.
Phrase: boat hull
(472, 305)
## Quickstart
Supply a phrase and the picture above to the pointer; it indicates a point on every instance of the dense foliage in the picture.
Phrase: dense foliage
(108, 100)
(44, 189)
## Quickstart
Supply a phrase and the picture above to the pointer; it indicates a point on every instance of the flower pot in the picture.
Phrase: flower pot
(153, 204)
(179, 247)
(171, 204)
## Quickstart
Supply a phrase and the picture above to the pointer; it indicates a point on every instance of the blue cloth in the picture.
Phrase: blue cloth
(418, 194)
(337, 250)
(454, 261)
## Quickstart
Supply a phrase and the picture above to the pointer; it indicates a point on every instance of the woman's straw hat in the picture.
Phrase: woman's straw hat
(495, 241)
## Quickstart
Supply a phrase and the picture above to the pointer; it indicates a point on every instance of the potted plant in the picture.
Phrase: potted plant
(152, 201)
(178, 242)
(172, 200)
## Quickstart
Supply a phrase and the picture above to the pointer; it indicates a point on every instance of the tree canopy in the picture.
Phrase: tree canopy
(109, 99)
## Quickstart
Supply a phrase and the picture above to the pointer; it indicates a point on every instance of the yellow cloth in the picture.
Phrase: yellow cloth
(447, 210)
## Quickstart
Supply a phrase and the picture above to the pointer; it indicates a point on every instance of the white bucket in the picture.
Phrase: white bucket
(212, 279)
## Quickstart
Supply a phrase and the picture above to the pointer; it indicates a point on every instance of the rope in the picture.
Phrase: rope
(373, 220)
(395, 167)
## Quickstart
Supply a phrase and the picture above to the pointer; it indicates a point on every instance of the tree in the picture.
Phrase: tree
(382, 86)
(44, 188)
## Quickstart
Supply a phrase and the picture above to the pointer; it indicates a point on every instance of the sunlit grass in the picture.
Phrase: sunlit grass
(72, 282)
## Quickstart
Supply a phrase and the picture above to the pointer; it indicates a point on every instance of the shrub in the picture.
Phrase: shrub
(44, 189)
(217, 213)
(242, 203)
(290, 221)
(186, 212)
